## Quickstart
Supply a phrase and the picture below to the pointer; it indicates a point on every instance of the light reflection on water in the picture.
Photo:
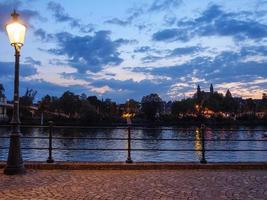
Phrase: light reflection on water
(153, 143)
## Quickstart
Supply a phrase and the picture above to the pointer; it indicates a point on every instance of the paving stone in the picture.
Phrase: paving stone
(139, 184)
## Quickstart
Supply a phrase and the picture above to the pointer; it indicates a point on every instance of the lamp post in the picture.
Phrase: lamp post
(16, 34)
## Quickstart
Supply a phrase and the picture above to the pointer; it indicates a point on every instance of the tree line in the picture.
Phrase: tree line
(87, 110)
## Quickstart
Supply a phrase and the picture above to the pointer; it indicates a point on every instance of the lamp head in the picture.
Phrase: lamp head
(16, 30)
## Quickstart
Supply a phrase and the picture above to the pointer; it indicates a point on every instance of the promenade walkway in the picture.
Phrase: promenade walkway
(135, 184)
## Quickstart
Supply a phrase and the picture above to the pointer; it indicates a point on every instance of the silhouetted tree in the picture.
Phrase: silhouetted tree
(151, 105)
(25, 101)
(69, 103)
(229, 103)
(83, 97)
(88, 113)
(131, 106)
(28, 98)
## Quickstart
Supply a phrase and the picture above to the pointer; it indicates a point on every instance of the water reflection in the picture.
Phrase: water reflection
(198, 143)
(221, 140)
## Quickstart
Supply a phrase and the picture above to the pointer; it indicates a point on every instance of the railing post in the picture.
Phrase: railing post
(50, 159)
(129, 159)
(202, 131)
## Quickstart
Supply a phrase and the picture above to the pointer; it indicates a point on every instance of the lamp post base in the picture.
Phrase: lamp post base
(129, 160)
(203, 161)
(14, 162)
(50, 160)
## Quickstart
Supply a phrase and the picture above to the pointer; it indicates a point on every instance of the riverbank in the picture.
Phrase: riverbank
(142, 165)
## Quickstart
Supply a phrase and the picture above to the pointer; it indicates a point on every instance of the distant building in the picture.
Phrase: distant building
(202, 94)
(211, 89)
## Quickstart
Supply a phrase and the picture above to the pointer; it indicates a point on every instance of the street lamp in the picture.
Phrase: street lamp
(16, 33)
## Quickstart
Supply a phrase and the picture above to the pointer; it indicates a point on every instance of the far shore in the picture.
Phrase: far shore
(178, 124)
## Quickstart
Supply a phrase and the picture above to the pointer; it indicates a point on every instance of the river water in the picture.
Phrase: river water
(222, 140)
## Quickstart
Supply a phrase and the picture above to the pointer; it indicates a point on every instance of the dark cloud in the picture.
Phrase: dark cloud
(143, 49)
(43, 35)
(148, 49)
(215, 21)
(7, 69)
(60, 15)
(254, 50)
(56, 61)
(125, 42)
(89, 52)
(159, 5)
(7, 7)
(228, 66)
(191, 50)
(185, 51)
(134, 13)
(240, 68)
(118, 21)
(31, 61)
(170, 35)
(151, 58)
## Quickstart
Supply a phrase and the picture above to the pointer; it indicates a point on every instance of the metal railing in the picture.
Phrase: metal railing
(129, 140)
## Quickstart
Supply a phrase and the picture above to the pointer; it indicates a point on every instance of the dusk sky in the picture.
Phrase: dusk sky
(122, 49)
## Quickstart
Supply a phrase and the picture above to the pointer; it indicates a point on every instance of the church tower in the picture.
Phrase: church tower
(211, 89)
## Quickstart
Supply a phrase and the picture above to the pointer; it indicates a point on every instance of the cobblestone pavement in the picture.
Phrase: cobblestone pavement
(105, 184)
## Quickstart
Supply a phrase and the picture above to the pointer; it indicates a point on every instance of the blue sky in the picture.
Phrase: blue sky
(123, 49)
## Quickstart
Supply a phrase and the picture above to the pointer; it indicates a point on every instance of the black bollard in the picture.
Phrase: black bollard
(50, 148)
(202, 131)
(129, 159)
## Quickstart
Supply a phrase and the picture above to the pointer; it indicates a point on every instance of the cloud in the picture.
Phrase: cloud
(169, 19)
(60, 15)
(191, 50)
(89, 52)
(150, 58)
(173, 34)
(7, 7)
(101, 90)
(185, 51)
(31, 61)
(214, 21)
(225, 67)
(43, 35)
(121, 90)
(7, 69)
(118, 21)
(121, 41)
(143, 49)
(44, 87)
(159, 5)
(133, 13)
(253, 50)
